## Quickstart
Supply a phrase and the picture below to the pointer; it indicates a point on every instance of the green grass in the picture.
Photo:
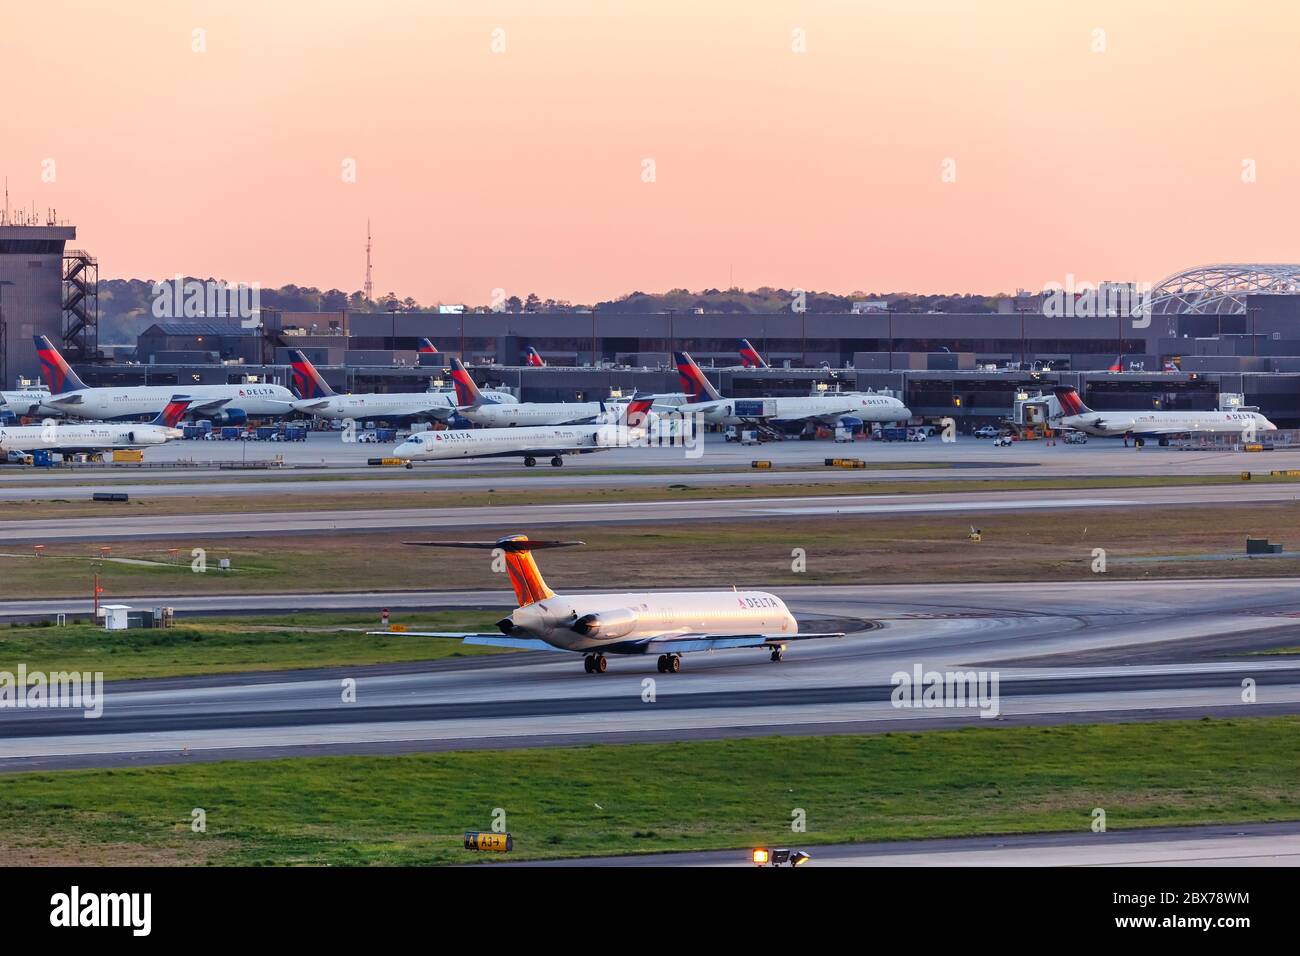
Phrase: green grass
(644, 798)
(225, 645)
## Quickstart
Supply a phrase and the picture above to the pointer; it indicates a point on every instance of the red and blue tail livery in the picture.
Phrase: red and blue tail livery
(534, 358)
(467, 392)
(174, 412)
(749, 356)
(694, 384)
(427, 347)
(307, 382)
(58, 374)
(1071, 403)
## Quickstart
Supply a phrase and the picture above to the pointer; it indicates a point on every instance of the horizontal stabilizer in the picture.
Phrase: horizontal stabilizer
(505, 544)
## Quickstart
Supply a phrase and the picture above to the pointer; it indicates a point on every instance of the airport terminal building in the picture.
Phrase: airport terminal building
(1231, 329)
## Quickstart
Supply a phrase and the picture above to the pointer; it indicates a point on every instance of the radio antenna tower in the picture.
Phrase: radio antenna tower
(370, 285)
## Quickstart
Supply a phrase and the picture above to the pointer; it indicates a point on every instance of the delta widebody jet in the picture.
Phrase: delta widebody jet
(529, 442)
(315, 397)
(664, 623)
(1159, 425)
(478, 409)
(94, 437)
(222, 404)
(850, 408)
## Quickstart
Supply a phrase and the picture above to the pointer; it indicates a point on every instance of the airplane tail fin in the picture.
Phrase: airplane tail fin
(637, 413)
(517, 551)
(750, 357)
(174, 412)
(1071, 403)
(694, 382)
(58, 374)
(467, 392)
(535, 359)
(307, 382)
(427, 347)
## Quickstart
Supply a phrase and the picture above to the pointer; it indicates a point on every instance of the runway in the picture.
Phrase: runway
(1249, 844)
(1028, 634)
(500, 518)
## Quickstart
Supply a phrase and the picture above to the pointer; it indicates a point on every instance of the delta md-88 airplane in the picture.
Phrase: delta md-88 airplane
(1160, 425)
(666, 623)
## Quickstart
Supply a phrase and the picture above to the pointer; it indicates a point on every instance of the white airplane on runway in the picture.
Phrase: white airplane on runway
(831, 408)
(667, 623)
(221, 404)
(529, 442)
(478, 409)
(1159, 425)
(93, 437)
(315, 397)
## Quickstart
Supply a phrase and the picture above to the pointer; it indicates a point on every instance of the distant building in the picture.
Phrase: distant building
(31, 294)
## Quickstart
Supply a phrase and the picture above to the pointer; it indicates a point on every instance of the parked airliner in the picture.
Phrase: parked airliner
(476, 407)
(315, 397)
(666, 623)
(851, 408)
(1160, 425)
(222, 404)
(93, 437)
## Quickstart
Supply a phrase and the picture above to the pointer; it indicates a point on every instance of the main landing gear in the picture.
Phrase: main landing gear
(557, 462)
(669, 663)
(777, 654)
(595, 663)
(530, 462)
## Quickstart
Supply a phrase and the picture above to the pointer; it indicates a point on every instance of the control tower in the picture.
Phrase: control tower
(31, 294)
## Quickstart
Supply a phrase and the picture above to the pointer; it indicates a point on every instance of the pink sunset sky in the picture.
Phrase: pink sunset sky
(522, 170)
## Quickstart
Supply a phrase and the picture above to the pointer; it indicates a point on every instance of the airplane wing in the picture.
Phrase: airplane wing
(210, 405)
(686, 643)
(309, 406)
(473, 637)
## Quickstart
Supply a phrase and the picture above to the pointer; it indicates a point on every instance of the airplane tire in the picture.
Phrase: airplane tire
(530, 462)
(674, 664)
(587, 663)
(410, 464)
(557, 462)
(662, 664)
(776, 655)
(599, 664)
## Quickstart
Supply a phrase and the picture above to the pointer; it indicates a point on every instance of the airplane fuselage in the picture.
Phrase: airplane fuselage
(23, 401)
(499, 442)
(827, 408)
(1105, 424)
(593, 621)
(524, 414)
(79, 437)
(139, 401)
(389, 405)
